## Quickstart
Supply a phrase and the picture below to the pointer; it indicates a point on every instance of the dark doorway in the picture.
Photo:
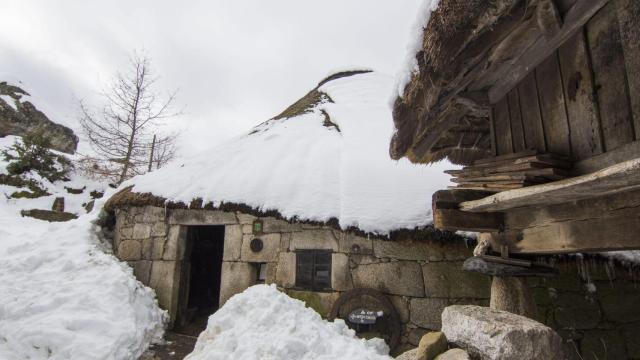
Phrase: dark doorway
(200, 278)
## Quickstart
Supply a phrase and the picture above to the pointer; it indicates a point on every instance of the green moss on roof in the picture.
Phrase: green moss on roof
(315, 97)
(305, 105)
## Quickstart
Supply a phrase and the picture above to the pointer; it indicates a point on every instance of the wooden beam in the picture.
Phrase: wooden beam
(454, 220)
(615, 230)
(548, 18)
(575, 18)
(617, 178)
(446, 215)
(599, 224)
(624, 153)
(446, 120)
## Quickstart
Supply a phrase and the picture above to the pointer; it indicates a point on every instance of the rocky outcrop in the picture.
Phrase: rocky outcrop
(494, 334)
(19, 118)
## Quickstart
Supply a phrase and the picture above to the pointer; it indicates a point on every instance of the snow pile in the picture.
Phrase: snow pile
(61, 295)
(304, 169)
(263, 323)
(415, 45)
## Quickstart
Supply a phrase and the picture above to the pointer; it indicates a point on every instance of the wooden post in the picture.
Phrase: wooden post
(153, 145)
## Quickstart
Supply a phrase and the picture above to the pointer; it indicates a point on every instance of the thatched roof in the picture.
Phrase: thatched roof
(467, 47)
(324, 159)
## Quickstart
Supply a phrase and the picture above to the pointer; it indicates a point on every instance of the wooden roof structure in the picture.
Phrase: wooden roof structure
(540, 100)
(474, 52)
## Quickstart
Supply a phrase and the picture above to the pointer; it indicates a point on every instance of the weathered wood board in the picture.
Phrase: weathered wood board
(617, 178)
(600, 224)
(610, 78)
(628, 12)
(502, 125)
(582, 109)
(530, 109)
(554, 116)
(517, 131)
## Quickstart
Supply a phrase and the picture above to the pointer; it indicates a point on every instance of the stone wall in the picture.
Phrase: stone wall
(420, 278)
(594, 305)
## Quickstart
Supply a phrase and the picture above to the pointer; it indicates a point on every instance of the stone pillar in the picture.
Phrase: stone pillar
(513, 294)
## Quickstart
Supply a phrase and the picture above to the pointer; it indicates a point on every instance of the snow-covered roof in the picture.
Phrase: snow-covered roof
(325, 157)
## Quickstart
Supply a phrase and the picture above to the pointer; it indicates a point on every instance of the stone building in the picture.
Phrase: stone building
(197, 248)
(420, 272)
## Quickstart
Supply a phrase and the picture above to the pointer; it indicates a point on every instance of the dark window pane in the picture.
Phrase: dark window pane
(313, 269)
(304, 269)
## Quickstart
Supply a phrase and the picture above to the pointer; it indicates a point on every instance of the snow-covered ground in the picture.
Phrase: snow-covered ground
(62, 295)
(263, 323)
(310, 171)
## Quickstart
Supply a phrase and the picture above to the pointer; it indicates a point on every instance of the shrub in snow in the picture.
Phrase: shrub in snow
(263, 323)
(34, 154)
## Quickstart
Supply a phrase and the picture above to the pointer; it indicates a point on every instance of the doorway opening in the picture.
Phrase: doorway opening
(200, 280)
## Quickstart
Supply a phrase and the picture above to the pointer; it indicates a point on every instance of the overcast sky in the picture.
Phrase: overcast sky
(236, 63)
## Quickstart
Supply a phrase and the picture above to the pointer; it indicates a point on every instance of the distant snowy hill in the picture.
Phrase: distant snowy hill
(325, 157)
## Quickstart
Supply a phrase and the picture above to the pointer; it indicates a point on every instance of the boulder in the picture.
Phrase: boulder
(431, 345)
(408, 355)
(493, 334)
(454, 354)
(48, 215)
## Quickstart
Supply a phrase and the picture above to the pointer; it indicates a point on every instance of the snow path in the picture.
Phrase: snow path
(62, 296)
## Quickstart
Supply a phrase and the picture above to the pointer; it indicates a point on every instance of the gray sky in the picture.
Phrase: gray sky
(236, 63)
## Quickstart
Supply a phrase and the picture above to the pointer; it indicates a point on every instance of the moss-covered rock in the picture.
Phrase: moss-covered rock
(48, 215)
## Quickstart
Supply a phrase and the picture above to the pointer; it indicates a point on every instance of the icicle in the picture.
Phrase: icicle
(610, 269)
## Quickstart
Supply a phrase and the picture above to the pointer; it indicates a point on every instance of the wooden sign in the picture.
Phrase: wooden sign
(364, 316)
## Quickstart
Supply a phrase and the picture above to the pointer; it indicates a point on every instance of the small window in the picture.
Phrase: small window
(261, 269)
(313, 269)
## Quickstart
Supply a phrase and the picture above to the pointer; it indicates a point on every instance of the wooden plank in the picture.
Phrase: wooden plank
(565, 5)
(617, 178)
(608, 64)
(624, 153)
(629, 18)
(451, 199)
(517, 132)
(516, 176)
(547, 173)
(548, 159)
(579, 95)
(511, 156)
(530, 109)
(519, 219)
(554, 115)
(454, 220)
(613, 230)
(574, 19)
(492, 130)
(502, 127)
(548, 18)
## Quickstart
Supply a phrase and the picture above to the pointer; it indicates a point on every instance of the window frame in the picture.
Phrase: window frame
(313, 285)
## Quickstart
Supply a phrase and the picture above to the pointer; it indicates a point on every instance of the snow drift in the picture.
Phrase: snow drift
(263, 323)
(329, 162)
(61, 295)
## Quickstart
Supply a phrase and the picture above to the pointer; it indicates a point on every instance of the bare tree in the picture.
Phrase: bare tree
(122, 130)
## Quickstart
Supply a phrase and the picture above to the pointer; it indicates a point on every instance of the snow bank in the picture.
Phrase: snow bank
(304, 169)
(61, 295)
(263, 323)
